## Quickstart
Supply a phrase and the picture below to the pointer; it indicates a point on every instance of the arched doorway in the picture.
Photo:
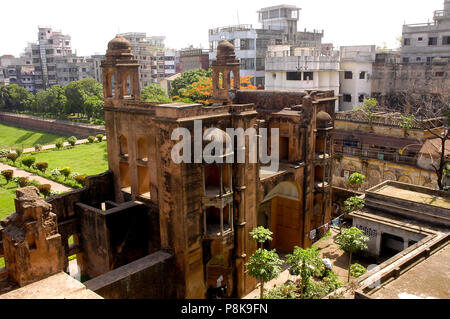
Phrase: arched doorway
(281, 212)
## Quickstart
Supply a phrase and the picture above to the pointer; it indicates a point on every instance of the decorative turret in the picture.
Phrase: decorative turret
(225, 68)
(120, 71)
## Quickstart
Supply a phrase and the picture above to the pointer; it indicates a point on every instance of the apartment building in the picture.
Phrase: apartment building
(356, 64)
(192, 58)
(421, 42)
(298, 69)
(155, 61)
(279, 26)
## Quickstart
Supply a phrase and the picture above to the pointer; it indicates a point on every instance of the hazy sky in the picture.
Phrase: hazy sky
(92, 23)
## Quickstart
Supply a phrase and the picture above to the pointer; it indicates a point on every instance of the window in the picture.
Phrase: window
(446, 40)
(432, 41)
(429, 59)
(420, 39)
(308, 76)
(418, 59)
(348, 75)
(439, 74)
(361, 98)
(362, 75)
(407, 41)
(247, 64)
(293, 76)
(347, 97)
(259, 64)
(247, 44)
(405, 60)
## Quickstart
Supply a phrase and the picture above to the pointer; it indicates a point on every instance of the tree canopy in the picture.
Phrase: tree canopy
(154, 93)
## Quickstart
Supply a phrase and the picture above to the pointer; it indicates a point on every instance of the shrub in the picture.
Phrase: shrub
(91, 139)
(59, 144)
(19, 151)
(28, 161)
(45, 189)
(4, 153)
(55, 173)
(356, 179)
(72, 140)
(357, 270)
(23, 181)
(8, 175)
(65, 171)
(37, 147)
(286, 291)
(12, 157)
(74, 175)
(34, 183)
(99, 137)
(81, 179)
(42, 166)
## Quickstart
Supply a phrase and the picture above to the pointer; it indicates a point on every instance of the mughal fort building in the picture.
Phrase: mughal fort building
(152, 228)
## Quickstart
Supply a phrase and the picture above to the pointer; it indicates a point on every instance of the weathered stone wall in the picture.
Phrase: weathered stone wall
(151, 277)
(377, 171)
(59, 127)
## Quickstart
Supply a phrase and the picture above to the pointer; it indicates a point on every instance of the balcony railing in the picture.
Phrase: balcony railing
(377, 154)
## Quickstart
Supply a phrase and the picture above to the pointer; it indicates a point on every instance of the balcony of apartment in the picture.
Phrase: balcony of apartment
(296, 63)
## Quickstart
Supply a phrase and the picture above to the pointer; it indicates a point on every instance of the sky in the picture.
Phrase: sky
(92, 23)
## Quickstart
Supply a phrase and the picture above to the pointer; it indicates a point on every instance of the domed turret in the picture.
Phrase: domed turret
(119, 43)
(225, 49)
(323, 119)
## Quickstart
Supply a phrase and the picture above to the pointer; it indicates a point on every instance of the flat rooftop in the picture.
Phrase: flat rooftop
(416, 196)
(430, 279)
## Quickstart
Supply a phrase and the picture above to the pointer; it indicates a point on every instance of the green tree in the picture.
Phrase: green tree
(154, 93)
(264, 265)
(188, 78)
(351, 240)
(17, 98)
(65, 171)
(28, 161)
(77, 93)
(93, 107)
(261, 235)
(304, 263)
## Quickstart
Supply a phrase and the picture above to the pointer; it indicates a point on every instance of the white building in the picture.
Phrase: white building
(279, 25)
(356, 70)
(299, 69)
(421, 42)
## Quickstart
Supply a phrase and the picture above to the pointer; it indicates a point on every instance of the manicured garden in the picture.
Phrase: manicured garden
(69, 165)
(7, 195)
(11, 137)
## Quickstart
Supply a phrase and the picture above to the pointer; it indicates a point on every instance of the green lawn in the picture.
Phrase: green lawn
(7, 195)
(11, 136)
(89, 159)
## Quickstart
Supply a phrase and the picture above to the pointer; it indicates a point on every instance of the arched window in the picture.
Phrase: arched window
(142, 149)
(221, 79)
(109, 85)
(231, 77)
(123, 145)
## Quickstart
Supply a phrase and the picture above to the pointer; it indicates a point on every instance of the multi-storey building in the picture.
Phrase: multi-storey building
(51, 44)
(424, 41)
(381, 149)
(355, 77)
(192, 58)
(155, 61)
(279, 26)
(297, 68)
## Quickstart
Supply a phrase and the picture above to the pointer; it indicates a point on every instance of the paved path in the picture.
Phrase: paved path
(21, 173)
(50, 146)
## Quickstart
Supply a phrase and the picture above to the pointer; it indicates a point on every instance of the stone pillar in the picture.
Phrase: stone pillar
(31, 242)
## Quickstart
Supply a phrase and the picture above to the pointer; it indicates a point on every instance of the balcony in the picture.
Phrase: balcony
(307, 63)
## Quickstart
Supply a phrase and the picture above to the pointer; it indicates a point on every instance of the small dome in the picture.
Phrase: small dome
(225, 48)
(119, 43)
(323, 119)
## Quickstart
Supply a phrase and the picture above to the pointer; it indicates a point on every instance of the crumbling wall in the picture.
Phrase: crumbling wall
(151, 277)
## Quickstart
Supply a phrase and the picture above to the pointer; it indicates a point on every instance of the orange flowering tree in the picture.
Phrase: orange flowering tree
(201, 91)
